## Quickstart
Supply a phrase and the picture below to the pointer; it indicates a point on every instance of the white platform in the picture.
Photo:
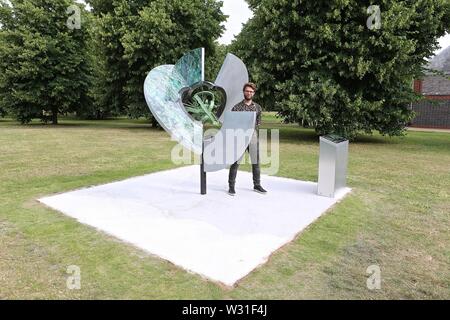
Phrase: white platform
(218, 236)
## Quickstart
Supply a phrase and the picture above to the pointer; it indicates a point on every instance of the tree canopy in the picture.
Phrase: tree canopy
(44, 68)
(326, 64)
(136, 36)
(339, 66)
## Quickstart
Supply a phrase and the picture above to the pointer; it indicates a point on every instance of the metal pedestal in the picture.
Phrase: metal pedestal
(333, 161)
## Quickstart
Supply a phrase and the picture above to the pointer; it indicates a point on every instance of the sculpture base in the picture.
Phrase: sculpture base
(220, 237)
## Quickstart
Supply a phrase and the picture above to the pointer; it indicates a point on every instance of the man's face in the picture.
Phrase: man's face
(249, 93)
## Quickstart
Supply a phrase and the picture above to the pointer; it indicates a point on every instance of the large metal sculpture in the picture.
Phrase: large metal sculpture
(183, 103)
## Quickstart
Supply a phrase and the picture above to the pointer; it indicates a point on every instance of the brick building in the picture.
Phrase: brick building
(434, 110)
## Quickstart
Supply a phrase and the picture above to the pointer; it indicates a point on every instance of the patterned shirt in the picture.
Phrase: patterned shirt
(241, 106)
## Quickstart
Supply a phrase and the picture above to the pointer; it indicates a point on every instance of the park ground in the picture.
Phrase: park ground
(397, 217)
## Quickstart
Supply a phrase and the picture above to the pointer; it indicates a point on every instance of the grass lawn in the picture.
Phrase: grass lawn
(397, 217)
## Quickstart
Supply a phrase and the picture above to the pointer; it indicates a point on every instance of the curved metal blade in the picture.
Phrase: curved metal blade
(161, 89)
(232, 77)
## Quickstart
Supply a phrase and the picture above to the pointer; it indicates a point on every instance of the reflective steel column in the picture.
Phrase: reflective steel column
(333, 161)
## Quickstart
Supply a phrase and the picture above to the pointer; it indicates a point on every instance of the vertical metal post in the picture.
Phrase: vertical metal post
(202, 171)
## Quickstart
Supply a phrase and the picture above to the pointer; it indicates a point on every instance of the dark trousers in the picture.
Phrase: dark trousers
(253, 150)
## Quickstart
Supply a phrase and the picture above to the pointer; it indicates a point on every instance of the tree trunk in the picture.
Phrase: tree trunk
(55, 116)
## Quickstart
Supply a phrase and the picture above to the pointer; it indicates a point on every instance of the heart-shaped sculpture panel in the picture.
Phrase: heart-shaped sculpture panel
(182, 101)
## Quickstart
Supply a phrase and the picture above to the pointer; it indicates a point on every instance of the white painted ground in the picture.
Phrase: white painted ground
(220, 237)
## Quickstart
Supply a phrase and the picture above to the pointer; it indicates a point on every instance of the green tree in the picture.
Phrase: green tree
(102, 106)
(138, 35)
(322, 64)
(214, 60)
(43, 66)
(111, 72)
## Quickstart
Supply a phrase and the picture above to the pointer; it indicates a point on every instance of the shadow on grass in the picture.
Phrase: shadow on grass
(111, 125)
(300, 134)
(91, 124)
(373, 139)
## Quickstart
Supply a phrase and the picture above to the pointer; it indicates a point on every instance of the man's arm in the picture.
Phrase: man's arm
(258, 115)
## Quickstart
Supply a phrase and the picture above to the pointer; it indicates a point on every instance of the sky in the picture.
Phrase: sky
(239, 13)
(444, 42)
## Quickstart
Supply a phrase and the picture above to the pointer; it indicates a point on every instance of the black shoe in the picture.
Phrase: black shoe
(259, 189)
(231, 191)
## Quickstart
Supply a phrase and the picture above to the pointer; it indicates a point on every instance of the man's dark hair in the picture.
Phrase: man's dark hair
(251, 85)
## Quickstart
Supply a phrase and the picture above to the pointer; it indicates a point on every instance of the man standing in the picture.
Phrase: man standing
(249, 105)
